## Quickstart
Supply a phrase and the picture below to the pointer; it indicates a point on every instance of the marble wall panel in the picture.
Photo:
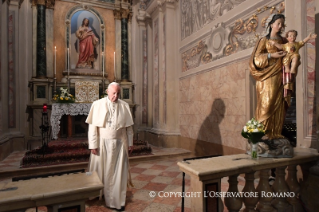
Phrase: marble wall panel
(156, 71)
(213, 103)
(145, 67)
(164, 70)
(11, 71)
(311, 75)
(0, 74)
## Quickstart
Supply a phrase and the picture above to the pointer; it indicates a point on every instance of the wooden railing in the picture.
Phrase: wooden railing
(282, 195)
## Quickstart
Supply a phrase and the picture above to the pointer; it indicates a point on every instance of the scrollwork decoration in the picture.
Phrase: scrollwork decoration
(199, 51)
(241, 27)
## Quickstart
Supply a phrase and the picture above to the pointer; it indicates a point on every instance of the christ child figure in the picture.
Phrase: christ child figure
(292, 59)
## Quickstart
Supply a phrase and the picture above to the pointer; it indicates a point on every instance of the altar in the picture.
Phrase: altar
(60, 109)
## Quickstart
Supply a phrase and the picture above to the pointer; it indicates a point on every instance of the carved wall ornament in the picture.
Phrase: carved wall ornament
(117, 14)
(224, 41)
(196, 14)
(238, 38)
(40, 2)
(142, 5)
(193, 57)
(50, 4)
(67, 22)
(125, 13)
(130, 15)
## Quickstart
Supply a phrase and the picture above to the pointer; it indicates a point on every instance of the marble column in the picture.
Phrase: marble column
(4, 15)
(49, 37)
(117, 19)
(34, 38)
(140, 58)
(124, 46)
(129, 45)
(41, 40)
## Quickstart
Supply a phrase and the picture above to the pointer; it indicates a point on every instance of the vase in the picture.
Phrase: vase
(254, 150)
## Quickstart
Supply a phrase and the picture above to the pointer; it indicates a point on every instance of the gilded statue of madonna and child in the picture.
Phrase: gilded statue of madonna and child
(273, 64)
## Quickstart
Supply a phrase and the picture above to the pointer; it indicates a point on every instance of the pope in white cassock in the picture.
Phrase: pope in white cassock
(110, 138)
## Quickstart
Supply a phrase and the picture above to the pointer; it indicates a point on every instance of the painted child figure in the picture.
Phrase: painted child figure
(292, 59)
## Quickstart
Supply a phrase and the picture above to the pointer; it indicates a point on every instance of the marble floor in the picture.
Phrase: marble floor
(149, 175)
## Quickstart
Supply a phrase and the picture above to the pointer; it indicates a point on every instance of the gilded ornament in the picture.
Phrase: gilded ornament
(50, 4)
(117, 14)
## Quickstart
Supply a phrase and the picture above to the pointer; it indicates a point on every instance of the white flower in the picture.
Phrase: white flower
(255, 130)
(245, 129)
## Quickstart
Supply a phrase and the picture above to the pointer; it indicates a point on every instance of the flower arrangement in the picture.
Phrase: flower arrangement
(64, 97)
(253, 131)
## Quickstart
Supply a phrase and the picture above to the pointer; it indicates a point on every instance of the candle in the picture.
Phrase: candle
(114, 67)
(103, 64)
(55, 62)
(68, 56)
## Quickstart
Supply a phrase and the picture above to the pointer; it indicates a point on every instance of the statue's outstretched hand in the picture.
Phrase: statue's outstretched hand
(312, 35)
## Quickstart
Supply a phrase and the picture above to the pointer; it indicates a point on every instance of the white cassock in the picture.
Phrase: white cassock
(110, 131)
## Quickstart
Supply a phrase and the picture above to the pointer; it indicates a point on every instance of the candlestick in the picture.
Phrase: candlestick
(103, 64)
(55, 61)
(114, 68)
(68, 56)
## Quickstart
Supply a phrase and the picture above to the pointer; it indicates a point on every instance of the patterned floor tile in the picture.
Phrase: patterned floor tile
(155, 186)
(181, 175)
(167, 198)
(179, 209)
(137, 170)
(159, 167)
(159, 207)
(133, 175)
(159, 176)
(144, 177)
(169, 174)
(161, 179)
(152, 172)
(142, 195)
(179, 181)
(139, 184)
(136, 205)
(174, 168)
(144, 165)
(166, 163)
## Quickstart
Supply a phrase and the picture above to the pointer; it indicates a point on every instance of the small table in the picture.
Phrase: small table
(60, 109)
(55, 192)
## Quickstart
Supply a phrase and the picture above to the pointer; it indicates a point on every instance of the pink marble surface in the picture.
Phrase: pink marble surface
(145, 67)
(0, 81)
(212, 105)
(156, 73)
(11, 74)
(164, 70)
(311, 75)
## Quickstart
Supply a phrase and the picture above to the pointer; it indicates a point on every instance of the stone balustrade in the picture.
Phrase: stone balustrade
(282, 195)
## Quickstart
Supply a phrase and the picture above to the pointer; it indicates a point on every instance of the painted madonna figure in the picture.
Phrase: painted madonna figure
(87, 42)
(266, 67)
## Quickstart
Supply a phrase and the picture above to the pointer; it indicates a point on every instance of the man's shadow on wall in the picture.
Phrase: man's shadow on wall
(209, 141)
